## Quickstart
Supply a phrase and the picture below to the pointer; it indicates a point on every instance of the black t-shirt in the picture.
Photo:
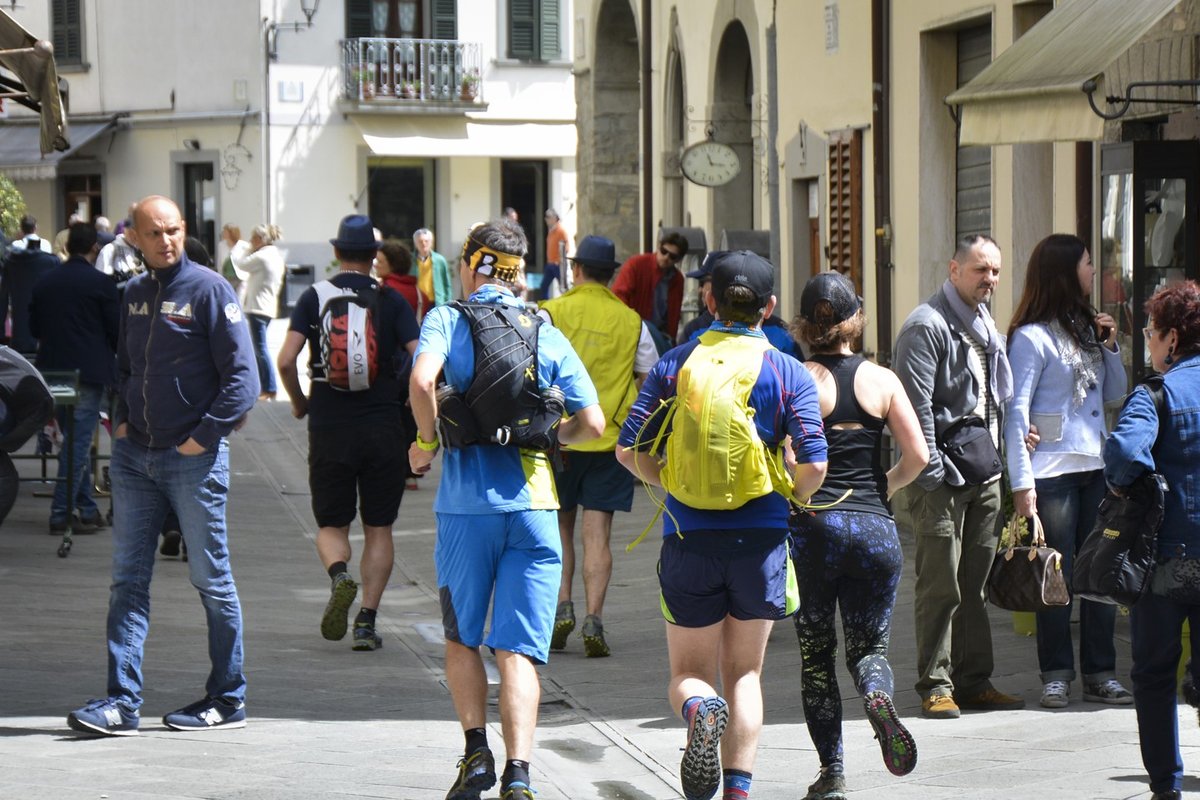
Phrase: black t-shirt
(382, 403)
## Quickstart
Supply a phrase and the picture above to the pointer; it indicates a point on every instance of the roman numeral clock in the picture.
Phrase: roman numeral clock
(710, 163)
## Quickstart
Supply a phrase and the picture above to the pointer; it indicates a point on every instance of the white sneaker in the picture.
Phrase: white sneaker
(1056, 694)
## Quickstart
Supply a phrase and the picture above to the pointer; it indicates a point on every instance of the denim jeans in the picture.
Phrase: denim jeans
(86, 415)
(147, 483)
(1067, 506)
(1155, 626)
(258, 337)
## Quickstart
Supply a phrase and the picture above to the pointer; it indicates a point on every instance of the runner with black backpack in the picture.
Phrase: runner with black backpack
(361, 337)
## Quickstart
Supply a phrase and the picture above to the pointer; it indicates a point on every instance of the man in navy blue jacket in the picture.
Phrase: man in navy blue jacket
(74, 317)
(186, 378)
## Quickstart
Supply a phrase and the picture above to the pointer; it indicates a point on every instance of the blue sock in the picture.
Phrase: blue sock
(737, 784)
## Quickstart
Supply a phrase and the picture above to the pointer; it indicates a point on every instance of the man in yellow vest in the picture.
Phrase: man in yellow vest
(618, 351)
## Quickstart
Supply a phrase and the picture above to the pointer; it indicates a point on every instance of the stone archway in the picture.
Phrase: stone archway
(609, 118)
(675, 118)
(735, 203)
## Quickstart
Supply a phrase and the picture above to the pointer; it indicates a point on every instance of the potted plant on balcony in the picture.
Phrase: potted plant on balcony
(470, 85)
(410, 90)
(365, 80)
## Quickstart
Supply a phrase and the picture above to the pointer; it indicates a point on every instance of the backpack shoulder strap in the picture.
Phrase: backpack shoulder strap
(326, 290)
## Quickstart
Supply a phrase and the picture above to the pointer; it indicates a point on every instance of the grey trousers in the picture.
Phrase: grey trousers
(956, 529)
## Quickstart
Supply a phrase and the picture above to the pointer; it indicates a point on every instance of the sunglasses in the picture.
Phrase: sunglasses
(671, 254)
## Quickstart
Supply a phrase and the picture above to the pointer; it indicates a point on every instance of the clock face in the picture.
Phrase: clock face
(710, 164)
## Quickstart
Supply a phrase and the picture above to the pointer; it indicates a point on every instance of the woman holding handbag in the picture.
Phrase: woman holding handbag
(846, 549)
(1136, 446)
(1065, 368)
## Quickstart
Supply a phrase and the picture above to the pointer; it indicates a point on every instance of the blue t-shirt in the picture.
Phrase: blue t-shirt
(486, 478)
(785, 403)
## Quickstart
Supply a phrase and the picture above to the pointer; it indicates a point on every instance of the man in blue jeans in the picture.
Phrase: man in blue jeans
(76, 291)
(186, 378)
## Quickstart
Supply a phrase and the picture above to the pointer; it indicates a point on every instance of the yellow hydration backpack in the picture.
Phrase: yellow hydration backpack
(715, 459)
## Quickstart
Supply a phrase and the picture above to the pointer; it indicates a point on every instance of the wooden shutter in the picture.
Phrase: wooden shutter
(444, 19)
(66, 25)
(973, 164)
(358, 19)
(549, 47)
(522, 29)
(845, 204)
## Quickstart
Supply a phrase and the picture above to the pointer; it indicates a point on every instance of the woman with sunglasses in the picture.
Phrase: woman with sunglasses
(1142, 442)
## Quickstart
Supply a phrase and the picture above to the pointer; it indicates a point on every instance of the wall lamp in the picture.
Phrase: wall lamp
(308, 7)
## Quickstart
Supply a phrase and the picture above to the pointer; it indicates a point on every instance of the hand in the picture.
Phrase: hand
(191, 448)
(122, 431)
(300, 407)
(420, 461)
(1025, 502)
(1106, 330)
(1032, 439)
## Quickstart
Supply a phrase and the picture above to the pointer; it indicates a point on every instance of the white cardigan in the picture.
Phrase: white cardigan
(262, 272)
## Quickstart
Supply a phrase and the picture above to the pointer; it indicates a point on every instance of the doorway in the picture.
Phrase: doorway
(200, 202)
(400, 196)
(524, 185)
(82, 195)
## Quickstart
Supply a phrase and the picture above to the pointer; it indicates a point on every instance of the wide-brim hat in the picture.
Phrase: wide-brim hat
(356, 233)
(596, 251)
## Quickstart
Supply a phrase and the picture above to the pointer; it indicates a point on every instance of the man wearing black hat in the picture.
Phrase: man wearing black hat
(356, 440)
(618, 351)
(723, 569)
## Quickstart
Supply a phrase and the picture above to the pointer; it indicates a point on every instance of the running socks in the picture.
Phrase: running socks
(366, 615)
(476, 739)
(336, 568)
(737, 784)
(514, 772)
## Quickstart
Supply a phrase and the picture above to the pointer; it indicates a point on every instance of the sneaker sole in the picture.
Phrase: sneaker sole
(76, 724)
(562, 629)
(1108, 701)
(175, 726)
(595, 647)
(899, 749)
(334, 622)
(474, 787)
(700, 769)
(1054, 702)
(367, 645)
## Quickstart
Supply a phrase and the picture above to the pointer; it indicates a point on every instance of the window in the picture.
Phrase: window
(66, 31)
(402, 19)
(534, 30)
(973, 168)
(845, 204)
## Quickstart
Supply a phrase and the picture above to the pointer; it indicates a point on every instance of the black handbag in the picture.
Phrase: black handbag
(968, 444)
(1116, 561)
(1028, 578)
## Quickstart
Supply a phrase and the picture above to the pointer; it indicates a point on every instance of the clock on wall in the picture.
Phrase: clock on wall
(710, 163)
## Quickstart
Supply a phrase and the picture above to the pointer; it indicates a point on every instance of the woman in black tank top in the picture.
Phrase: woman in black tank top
(844, 544)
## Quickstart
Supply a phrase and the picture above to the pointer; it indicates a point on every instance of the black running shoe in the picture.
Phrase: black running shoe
(829, 785)
(365, 637)
(476, 773)
(700, 769)
(171, 543)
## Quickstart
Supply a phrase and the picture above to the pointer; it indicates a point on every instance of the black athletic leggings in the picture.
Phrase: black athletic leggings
(851, 559)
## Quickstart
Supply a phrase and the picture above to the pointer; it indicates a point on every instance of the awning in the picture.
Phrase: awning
(429, 137)
(1032, 91)
(36, 83)
(21, 157)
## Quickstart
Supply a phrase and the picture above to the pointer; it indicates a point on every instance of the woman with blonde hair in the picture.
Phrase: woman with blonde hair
(261, 264)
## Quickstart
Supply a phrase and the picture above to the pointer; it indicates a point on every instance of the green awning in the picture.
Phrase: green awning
(1032, 92)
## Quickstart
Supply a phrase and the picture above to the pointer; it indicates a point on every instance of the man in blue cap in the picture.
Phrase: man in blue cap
(773, 327)
(356, 441)
(618, 351)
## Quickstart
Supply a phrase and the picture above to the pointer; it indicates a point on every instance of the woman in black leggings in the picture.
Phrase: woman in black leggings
(845, 546)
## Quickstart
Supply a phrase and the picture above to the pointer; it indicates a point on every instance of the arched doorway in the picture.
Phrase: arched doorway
(735, 204)
(609, 113)
(674, 209)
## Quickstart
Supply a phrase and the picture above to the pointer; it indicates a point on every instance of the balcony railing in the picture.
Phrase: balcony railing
(415, 70)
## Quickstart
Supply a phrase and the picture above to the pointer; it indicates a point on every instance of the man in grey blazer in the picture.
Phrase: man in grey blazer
(952, 362)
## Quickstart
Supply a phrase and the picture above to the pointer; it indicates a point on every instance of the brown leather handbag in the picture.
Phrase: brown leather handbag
(1028, 578)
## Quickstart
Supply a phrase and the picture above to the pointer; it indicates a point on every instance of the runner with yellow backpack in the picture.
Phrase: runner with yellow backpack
(731, 429)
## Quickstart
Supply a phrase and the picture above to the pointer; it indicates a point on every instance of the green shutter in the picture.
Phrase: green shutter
(444, 19)
(522, 29)
(550, 48)
(358, 19)
(66, 28)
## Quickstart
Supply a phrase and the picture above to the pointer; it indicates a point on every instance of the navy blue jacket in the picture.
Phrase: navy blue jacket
(185, 366)
(75, 318)
(21, 271)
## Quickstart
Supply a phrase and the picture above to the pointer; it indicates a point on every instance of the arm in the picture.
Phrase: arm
(1116, 381)
(806, 429)
(646, 357)
(1027, 360)
(293, 344)
(110, 314)
(916, 362)
(422, 385)
(642, 425)
(623, 286)
(906, 430)
(586, 423)
(233, 357)
(1127, 450)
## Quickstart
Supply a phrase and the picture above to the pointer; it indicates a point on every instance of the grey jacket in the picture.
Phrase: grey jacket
(932, 360)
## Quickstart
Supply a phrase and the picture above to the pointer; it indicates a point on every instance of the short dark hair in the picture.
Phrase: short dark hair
(28, 224)
(740, 304)
(398, 256)
(81, 238)
(1178, 308)
(594, 273)
(354, 256)
(964, 245)
(678, 240)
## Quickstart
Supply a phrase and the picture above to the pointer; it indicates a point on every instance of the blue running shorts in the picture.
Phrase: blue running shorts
(512, 558)
(707, 575)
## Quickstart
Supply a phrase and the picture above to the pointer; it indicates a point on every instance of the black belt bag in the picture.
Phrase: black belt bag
(968, 445)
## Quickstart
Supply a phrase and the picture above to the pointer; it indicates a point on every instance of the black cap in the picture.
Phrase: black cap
(833, 288)
(355, 233)
(705, 271)
(743, 268)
